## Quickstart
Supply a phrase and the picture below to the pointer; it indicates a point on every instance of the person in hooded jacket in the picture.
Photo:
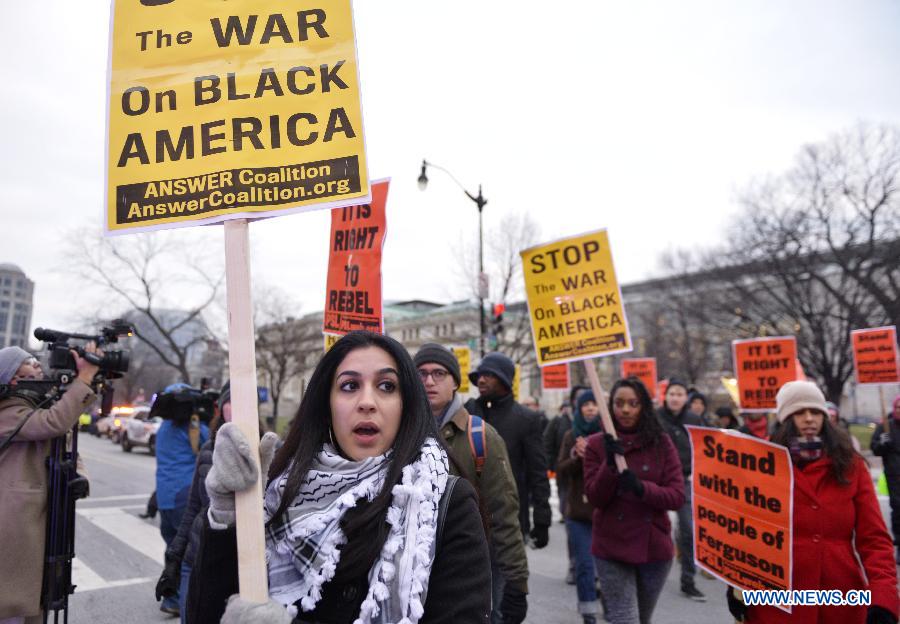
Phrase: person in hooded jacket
(632, 535)
(839, 537)
(521, 429)
(673, 416)
(725, 418)
(578, 511)
(886, 445)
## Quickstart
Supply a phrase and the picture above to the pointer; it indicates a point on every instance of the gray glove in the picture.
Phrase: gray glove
(240, 611)
(234, 470)
(884, 439)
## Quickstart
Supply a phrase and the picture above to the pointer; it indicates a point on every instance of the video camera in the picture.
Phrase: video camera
(61, 362)
(179, 402)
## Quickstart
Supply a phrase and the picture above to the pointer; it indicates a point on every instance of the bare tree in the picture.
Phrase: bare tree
(279, 339)
(163, 283)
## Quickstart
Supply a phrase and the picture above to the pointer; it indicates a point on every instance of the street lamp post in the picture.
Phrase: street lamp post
(480, 201)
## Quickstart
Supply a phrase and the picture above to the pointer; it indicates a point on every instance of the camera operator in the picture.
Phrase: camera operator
(23, 477)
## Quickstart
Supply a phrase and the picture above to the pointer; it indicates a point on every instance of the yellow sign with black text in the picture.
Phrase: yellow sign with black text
(222, 110)
(464, 357)
(574, 299)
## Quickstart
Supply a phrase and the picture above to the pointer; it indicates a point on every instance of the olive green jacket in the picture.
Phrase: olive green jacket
(497, 489)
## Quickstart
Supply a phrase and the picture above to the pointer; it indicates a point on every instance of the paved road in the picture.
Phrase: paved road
(120, 556)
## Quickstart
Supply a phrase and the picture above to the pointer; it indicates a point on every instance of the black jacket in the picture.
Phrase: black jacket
(890, 452)
(459, 588)
(521, 429)
(184, 546)
(674, 426)
(553, 436)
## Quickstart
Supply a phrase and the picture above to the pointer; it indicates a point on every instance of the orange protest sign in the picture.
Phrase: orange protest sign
(762, 366)
(555, 377)
(353, 291)
(875, 355)
(742, 508)
(662, 386)
(642, 368)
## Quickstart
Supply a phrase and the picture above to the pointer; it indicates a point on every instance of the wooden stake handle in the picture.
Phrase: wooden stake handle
(252, 575)
(605, 418)
(884, 412)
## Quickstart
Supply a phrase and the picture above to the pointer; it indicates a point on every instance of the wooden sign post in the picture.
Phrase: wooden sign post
(242, 370)
(605, 417)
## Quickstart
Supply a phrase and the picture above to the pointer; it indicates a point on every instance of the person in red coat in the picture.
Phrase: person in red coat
(840, 539)
(631, 541)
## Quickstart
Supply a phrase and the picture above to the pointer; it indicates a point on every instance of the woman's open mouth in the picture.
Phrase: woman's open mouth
(365, 433)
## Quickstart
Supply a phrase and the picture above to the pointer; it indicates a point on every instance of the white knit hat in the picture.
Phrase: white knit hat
(798, 395)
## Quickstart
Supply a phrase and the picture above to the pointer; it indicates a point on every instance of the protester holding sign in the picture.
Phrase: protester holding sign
(632, 540)
(886, 444)
(364, 522)
(673, 416)
(839, 537)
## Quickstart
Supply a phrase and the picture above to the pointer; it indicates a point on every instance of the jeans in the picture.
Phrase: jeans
(585, 573)
(183, 590)
(631, 591)
(562, 491)
(685, 537)
(497, 584)
(169, 521)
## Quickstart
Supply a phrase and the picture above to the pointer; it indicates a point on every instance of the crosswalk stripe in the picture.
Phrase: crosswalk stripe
(134, 532)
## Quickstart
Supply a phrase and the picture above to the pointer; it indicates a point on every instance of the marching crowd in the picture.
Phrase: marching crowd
(393, 500)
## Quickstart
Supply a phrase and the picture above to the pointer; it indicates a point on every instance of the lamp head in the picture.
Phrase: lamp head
(423, 179)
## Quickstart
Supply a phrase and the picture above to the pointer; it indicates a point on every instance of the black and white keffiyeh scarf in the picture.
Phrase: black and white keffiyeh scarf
(302, 553)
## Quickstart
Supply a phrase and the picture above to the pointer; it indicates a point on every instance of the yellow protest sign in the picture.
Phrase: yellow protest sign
(464, 357)
(231, 110)
(330, 339)
(516, 382)
(574, 299)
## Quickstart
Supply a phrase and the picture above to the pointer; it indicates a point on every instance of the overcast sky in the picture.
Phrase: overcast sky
(642, 117)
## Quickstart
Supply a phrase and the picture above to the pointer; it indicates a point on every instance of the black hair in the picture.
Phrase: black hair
(649, 430)
(364, 525)
(837, 446)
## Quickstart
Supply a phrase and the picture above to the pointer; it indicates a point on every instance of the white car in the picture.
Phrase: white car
(140, 430)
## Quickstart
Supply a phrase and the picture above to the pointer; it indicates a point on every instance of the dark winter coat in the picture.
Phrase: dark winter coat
(890, 452)
(520, 428)
(184, 546)
(553, 437)
(459, 588)
(627, 528)
(571, 468)
(833, 524)
(673, 425)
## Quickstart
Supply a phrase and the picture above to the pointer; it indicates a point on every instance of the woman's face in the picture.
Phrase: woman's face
(676, 397)
(590, 410)
(809, 422)
(626, 407)
(366, 405)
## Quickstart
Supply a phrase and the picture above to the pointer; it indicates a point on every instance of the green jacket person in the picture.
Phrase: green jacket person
(488, 470)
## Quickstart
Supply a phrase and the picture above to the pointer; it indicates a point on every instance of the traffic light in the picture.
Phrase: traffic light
(499, 308)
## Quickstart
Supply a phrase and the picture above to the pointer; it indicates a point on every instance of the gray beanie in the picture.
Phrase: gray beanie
(11, 359)
(799, 395)
(431, 352)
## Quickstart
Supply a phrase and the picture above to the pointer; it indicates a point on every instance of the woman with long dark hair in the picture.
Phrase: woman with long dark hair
(362, 522)
(632, 542)
(840, 539)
